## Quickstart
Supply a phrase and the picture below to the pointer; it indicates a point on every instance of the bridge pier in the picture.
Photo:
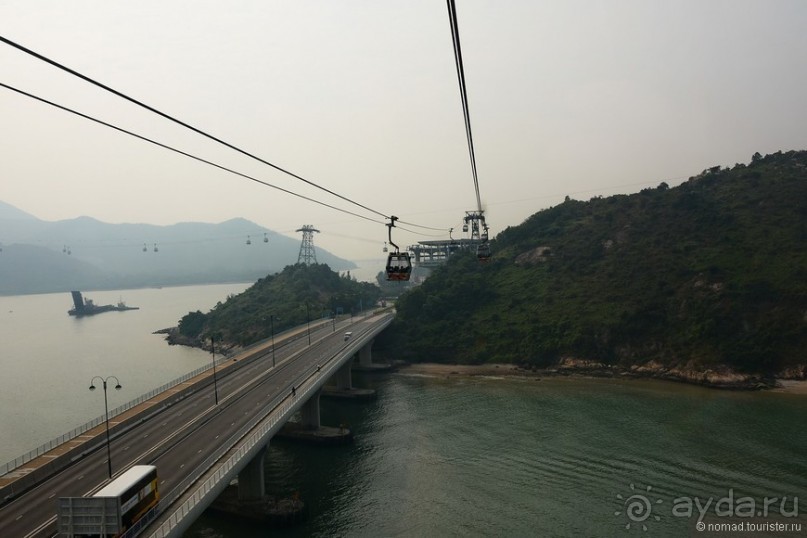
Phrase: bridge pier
(344, 386)
(251, 485)
(248, 500)
(309, 430)
(366, 363)
(309, 413)
(343, 377)
(365, 355)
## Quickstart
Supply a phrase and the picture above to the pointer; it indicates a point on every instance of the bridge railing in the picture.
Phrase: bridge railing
(75, 432)
(259, 436)
(277, 409)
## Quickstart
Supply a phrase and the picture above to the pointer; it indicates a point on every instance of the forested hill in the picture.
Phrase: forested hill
(709, 276)
(283, 300)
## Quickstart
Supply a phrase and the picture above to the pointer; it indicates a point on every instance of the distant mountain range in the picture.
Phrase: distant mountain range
(86, 254)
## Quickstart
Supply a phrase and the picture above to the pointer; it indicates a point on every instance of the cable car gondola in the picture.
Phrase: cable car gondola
(399, 264)
(483, 252)
(483, 248)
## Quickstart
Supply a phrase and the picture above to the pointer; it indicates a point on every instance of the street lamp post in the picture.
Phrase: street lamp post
(106, 414)
(215, 383)
(308, 321)
(272, 323)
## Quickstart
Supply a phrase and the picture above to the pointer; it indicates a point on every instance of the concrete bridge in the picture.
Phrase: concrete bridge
(199, 446)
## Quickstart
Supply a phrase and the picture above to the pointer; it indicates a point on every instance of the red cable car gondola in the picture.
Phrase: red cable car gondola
(483, 248)
(483, 252)
(399, 264)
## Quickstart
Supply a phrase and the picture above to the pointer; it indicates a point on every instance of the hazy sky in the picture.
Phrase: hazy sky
(579, 98)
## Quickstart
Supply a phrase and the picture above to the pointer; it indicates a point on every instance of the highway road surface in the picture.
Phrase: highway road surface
(181, 436)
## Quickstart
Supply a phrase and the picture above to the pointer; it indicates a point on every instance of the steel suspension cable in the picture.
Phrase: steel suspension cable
(179, 151)
(198, 131)
(455, 35)
(182, 123)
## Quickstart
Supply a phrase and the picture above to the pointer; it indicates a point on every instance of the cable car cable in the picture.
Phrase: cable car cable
(181, 152)
(483, 249)
(196, 130)
(175, 120)
(419, 226)
(202, 160)
(422, 234)
(455, 35)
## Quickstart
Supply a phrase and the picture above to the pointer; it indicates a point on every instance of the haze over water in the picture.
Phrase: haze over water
(47, 358)
(433, 456)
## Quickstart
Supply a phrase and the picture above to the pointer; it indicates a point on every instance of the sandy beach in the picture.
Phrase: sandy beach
(792, 386)
(444, 370)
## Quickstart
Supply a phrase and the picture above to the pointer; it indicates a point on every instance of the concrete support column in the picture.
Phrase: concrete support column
(344, 380)
(365, 357)
(309, 413)
(250, 479)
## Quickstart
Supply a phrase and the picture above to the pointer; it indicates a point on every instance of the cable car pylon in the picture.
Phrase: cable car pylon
(475, 218)
(307, 255)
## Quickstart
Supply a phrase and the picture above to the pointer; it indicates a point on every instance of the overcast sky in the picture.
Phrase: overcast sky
(578, 98)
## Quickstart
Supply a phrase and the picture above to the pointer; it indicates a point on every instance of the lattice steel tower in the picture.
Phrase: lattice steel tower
(307, 253)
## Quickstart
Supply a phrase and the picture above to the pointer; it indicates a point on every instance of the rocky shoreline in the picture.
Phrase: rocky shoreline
(174, 338)
(791, 380)
(719, 379)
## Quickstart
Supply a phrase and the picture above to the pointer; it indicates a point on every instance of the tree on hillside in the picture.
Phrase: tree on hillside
(706, 275)
(291, 297)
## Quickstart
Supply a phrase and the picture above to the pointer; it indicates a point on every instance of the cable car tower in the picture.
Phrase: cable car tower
(479, 233)
(478, 227)
(307, 254)
(476, 219)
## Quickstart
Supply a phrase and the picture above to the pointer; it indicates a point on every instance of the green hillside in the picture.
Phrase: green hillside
(709, 275)
(291, 296)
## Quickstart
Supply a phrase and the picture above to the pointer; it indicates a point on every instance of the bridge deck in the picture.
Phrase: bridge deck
(96, 434)
(181, 430)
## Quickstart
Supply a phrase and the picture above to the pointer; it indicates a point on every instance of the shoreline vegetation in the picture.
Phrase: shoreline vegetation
(726, 380)
(572, 368)
(704, 282)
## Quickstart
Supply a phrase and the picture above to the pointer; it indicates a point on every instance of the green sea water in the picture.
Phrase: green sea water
(552, 457)
(435, 456)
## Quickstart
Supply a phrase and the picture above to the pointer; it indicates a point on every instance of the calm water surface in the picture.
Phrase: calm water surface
(491, 457)
(434, 456)
(47, 358)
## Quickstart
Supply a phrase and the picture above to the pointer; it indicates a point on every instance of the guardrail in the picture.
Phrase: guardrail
(284, 403)
(75, 432)
(42, 449)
